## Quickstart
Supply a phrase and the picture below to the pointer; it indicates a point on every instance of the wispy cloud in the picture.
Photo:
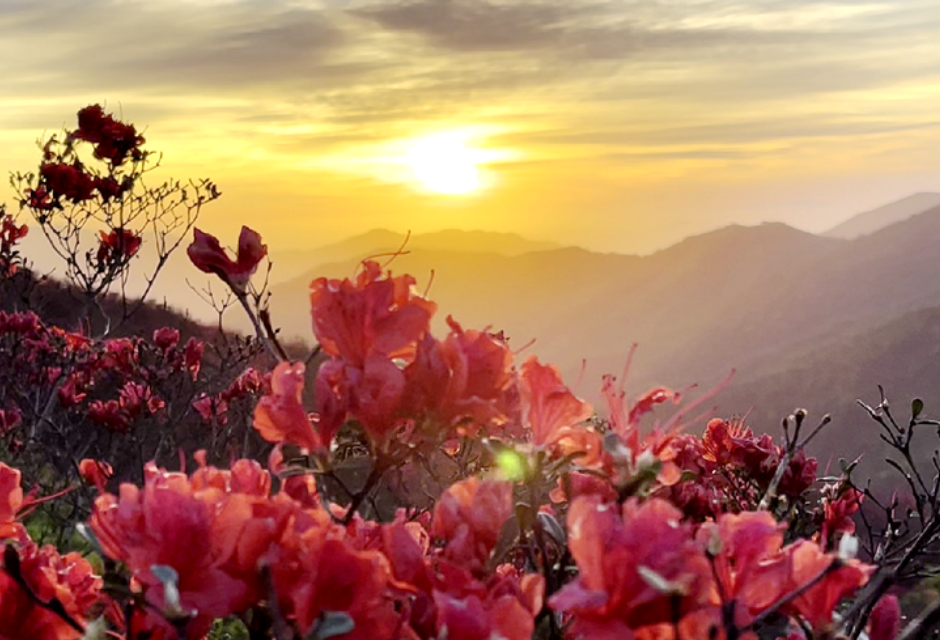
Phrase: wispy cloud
(619, 82)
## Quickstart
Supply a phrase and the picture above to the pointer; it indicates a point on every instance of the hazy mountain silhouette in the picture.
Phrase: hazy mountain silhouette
(886, 215)
(290, 264)
(806, 320)
(903, 356)
(577, 303)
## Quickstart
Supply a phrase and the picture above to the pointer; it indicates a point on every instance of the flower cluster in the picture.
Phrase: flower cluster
(729, 460)
(63, 177)
(43, 594)
(114, 141)
(538, 517)
(569, 525)
(132, 366)
(232, 543)
(10, 234)
(89, 186)
(644, 572)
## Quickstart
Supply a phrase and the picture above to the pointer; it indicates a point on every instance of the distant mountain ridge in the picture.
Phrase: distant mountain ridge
(884, 216)
(384, 243)
(771, 301)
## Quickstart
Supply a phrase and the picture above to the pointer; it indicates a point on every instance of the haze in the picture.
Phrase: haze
(620, 126)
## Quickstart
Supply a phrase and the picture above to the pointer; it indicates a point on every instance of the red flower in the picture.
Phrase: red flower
(248, 383)
(816, 605)
(10, 234)
(208, 255)
(245, 476)
(582, 484)
(636, 567)
(40, 199)
(470, 517)
(211, 409)
(166, 338)
(724, 441)
(837, 512)
(211, 536)
(11, 501)
(426, 379)
(114, 140)
(91, 121)
(372, 395)
(95, 472)
(192, 356)
(110, 415)
(69, 579)
(72, 392)
(69, 181)
(317, 571)
(120, 354)
(109, 188)
(551, 412)
(117, 247)
(481, 377)
(885, 620)
(280, 416)
(474, 618)
(372, 315)
(137, 400)
(9, 419)
(734, 446)
(749, 565)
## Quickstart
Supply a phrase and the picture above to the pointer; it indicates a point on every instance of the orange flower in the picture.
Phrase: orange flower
(372, 315)
(280, 416)
(11, 501)
(211, 538)
(548, 406)
(481, 378)
(69, 579)
(749, 565)
(207, 255)
(637, 566)
(816, 605)
(95, 472)
(372, 394)
(474, 618)
(316, 570)
(470, 517)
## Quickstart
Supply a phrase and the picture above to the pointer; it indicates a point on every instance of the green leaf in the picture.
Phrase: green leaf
(917, 407)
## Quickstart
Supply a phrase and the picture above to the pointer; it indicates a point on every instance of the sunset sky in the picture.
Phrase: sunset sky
(618, 125)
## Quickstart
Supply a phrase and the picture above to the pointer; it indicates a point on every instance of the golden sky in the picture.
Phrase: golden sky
(619, 125)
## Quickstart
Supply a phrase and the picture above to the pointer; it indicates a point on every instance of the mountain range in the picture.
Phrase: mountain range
(806, 320)
(880, 217)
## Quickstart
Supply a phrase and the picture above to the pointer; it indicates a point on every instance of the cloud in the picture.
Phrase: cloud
(672, 139)
(478, 25)
(609, 74)
(351, 58)
(129, 45)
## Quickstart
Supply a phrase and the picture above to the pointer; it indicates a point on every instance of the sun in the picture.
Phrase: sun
(444, 164)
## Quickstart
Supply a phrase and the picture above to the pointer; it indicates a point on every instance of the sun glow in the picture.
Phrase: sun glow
(444, 164)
